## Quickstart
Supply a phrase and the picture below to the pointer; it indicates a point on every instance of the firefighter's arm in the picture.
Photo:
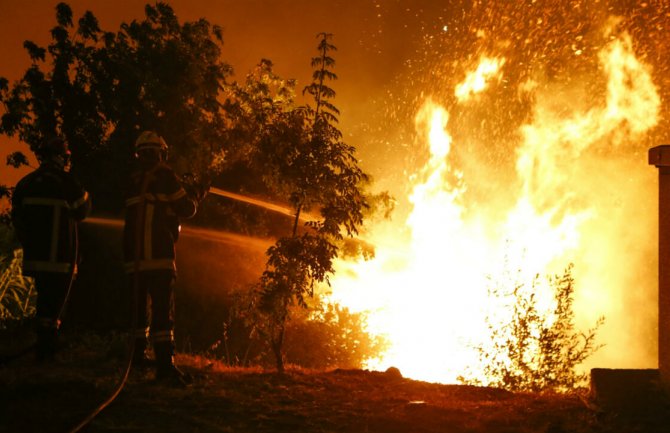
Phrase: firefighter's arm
(181, 203)
(81, 208)
(80, 202)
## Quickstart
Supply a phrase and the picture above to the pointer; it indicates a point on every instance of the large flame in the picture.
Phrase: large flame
(476, 81)
(426, 289)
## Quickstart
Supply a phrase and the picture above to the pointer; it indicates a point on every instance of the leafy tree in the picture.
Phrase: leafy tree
(531, 351)
(310, 164)
(99, 89)
(252, 110)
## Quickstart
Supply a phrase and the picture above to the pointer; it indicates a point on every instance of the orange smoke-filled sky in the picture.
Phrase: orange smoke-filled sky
(374, 40)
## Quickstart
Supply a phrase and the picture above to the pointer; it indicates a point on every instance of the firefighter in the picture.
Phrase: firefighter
(155, 200)
(47, 205)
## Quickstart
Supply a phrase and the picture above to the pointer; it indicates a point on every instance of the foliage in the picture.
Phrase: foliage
(99, 89)
(17, 159)
(253, 112)
(8, 240)
(330, 336)
(531, 351)
(321, 336)
(17, 293)
(309, 164)
(239, 345)
(252, 109)
(5, 217)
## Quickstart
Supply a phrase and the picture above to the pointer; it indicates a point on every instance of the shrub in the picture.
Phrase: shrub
(17, 293)
(529, 350)
(319, 336)
(330, 336)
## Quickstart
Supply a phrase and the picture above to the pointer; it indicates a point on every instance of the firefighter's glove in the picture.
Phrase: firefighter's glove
(196, 188)
(201, 188)
(204, 190)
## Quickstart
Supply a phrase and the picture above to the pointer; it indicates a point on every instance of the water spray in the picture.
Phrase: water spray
(305, 217)
(256, 202)
(198, 186)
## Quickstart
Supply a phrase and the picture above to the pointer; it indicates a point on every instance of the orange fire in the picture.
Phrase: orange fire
(571, 200)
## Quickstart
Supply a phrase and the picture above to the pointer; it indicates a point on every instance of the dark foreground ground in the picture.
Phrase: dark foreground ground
(36, 398)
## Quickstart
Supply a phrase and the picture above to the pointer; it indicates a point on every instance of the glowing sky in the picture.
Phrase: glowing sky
(374, 40)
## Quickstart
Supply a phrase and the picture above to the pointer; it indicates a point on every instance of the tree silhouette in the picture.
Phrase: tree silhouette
(100, 89)
(311, 164)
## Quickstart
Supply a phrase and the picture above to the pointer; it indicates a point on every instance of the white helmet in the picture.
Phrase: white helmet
(150, 140)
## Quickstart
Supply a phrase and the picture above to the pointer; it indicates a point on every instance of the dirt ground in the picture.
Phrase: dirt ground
(57, 397)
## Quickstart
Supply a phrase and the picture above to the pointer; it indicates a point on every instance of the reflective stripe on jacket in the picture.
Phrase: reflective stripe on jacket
(46, 206)
(154, 202)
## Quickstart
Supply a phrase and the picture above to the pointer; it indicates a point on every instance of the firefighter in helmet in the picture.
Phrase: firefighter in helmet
(47, 204)
(155, 200)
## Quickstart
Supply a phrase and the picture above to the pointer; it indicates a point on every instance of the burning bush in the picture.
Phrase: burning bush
(529, 350)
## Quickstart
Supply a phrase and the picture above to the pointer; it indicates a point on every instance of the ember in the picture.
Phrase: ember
(571, 200)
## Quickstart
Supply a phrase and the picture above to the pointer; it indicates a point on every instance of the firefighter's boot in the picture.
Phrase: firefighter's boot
(166, 371)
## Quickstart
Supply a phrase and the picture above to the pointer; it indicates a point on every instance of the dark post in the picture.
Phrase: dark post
(660, 157)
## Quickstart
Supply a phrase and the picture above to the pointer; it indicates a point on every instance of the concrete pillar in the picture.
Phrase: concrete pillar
(660, 157)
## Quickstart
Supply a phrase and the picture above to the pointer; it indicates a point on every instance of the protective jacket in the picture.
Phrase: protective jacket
(154, 201)
(46, 206)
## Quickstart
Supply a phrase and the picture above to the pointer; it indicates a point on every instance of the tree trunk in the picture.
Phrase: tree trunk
(297, 218)
(277, 348)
